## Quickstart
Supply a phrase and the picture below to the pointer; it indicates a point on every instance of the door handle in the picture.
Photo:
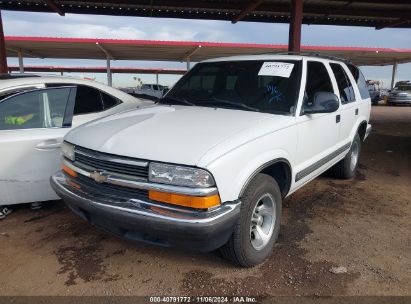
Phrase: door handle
(49, 144)
(356, 111)
(338, 118)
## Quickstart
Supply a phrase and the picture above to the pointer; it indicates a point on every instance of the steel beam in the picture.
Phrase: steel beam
(109, 76)
(105, 51)
(394, 74)
(3, 55)
(21, 64)
(296, 18)
(109, 57)
(250, 7)
(393, 24)
(187, 57)
(193, 51)
(28, 53)
(54, 7)
(157, 78)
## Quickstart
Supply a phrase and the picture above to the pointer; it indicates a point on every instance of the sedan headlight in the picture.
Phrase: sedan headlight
(68, 150)
(180, 175)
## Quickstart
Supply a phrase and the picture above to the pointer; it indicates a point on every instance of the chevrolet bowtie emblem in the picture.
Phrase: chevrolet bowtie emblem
(99, 177)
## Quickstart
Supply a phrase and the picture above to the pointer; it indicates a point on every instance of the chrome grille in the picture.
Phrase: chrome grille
(93, 160)
(110, 190)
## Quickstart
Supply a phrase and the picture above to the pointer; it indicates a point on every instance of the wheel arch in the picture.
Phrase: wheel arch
(279, 169)
(362, 129)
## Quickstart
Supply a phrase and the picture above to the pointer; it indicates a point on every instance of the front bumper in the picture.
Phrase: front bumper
(399, 100)
(148, 221)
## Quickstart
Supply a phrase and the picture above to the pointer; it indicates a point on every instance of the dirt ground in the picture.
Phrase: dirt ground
(362, 224)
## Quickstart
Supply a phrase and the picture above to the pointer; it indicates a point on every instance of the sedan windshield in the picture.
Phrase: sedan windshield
(261, 86)
(403, 88)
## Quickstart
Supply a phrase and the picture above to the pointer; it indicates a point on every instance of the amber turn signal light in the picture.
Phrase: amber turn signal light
(200, 202)
(69, 171)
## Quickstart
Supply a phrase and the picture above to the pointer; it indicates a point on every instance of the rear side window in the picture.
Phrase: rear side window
(318, 80)
(361, 82)
(88, 100)
(344, 85)
(109, 101)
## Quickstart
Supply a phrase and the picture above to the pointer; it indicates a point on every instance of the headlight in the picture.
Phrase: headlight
(68, 150)
(180, 175)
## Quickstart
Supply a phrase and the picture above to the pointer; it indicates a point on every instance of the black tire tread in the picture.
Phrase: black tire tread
(341, 169)
(229, 251)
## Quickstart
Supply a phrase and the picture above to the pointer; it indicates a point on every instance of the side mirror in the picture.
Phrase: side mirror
(324, 102)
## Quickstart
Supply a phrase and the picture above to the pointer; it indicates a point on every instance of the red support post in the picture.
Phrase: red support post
(296, 19)
(3, 55)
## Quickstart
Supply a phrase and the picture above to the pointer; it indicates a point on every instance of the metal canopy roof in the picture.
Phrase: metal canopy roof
(102, 69)
(372, 13)
(79, 48)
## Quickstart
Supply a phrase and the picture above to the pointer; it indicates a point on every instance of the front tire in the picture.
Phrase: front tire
(346, 168)
(257, 229)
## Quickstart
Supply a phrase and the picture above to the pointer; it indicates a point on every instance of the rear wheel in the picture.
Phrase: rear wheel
(347, 167)
(259, 224)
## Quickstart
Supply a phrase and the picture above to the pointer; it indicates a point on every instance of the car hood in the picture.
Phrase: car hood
(174, 134)
(400, 93)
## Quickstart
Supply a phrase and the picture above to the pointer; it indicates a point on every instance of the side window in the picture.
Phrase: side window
(344, 85)
(88, 100)
(318, 80)
(43, 108)
(109, 101)
(361, 82)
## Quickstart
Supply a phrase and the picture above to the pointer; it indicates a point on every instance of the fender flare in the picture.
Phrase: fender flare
(266, 165)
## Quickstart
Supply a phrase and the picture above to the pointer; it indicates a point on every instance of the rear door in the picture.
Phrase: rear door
(32, 127)
(349, 108)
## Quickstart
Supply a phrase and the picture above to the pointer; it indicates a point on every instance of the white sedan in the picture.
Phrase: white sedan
(35, 114)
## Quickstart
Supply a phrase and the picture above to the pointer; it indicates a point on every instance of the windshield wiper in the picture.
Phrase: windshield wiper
(175, 99)
(216, 101)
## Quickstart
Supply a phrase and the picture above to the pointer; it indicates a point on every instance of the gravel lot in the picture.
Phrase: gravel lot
(362, 224)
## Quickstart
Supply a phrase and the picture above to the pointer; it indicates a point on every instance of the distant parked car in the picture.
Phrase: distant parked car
(154, 90)
(35, 114)
(401, 94)
(373, 87)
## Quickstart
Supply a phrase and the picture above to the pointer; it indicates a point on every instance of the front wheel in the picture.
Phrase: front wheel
(259, 224)
(347, 167)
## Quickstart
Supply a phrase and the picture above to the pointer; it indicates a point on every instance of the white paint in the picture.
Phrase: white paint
(279, 69)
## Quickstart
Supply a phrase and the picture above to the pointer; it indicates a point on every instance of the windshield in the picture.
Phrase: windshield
(403, 88)
(261, 86)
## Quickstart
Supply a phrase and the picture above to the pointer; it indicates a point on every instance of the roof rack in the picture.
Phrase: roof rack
(313, 54)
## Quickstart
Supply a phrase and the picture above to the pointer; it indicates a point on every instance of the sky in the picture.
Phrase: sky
(114, 27)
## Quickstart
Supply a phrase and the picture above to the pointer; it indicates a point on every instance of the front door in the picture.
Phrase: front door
(32, 127)
(318, 134)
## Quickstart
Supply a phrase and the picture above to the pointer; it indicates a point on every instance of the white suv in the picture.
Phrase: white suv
(209, 166)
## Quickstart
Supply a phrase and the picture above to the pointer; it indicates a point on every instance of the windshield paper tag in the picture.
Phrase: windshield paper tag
(279, 69)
